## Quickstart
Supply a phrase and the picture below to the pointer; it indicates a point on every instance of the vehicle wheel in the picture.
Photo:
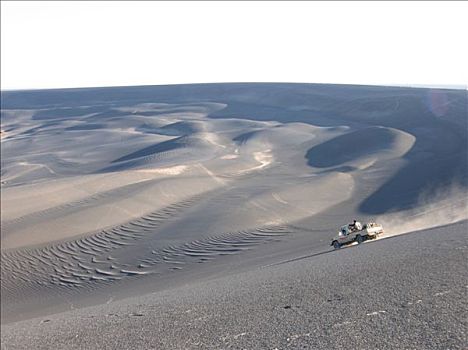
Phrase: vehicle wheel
(336, 245)
(359, 239)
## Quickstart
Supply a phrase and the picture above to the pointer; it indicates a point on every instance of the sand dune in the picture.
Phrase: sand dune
(117, 192)
(361, 148)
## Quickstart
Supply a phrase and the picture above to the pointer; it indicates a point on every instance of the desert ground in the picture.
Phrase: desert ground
(200, 216)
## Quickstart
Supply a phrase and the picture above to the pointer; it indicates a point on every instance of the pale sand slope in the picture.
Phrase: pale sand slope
(116, 192)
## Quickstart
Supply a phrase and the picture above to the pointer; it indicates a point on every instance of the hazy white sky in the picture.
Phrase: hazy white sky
(77, 44)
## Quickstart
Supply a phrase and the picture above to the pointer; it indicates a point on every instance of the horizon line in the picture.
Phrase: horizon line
(415, 86)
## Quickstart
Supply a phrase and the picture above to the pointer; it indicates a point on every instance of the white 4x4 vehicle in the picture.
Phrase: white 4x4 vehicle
(349, 234)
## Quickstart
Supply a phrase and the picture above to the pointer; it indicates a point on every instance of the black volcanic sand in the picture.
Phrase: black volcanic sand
(200, 216)
(403, 292)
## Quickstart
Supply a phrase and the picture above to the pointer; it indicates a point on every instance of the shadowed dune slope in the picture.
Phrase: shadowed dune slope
(364, 143)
